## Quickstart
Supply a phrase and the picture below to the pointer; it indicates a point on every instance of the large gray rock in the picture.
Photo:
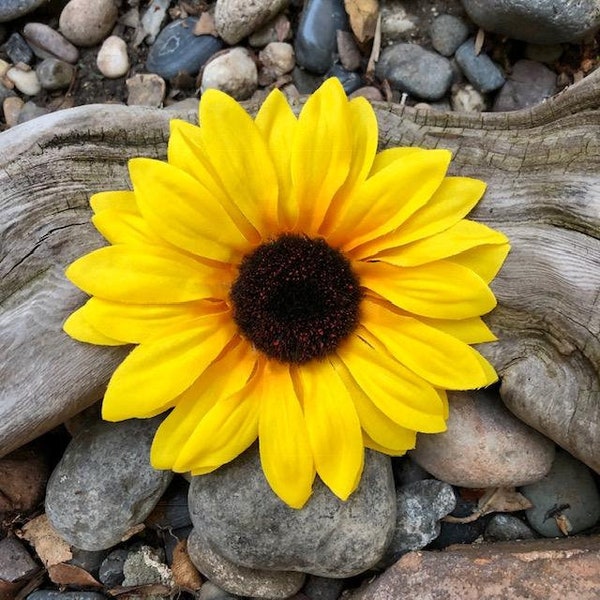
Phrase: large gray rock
(537, 21)
(104, 484)
(236, 19)
(13, 9)
(244, 521)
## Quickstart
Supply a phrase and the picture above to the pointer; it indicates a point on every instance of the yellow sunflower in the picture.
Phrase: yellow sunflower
(284, 281)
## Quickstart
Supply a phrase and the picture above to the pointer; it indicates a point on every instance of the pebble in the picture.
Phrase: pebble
(536, 21)
(276, 59)
(178, 50)
(144, 567)
(210, 591)
(316, 36)
(479, 69)
(53, 595)
(88, 560)
(26, 82)
(104, 484)
(244, 581)
(350, 56)
(410, 68)
(528, 84)
(278, 29)
(112, 60)
(484, 445)
(13, 9)
(15, 562)
(153, 18)
(369, 92)
(503, 528)
(233, 72)
(546, 53)
(87, 22)
(55, 74)
(407, 471)
(323, 588)
(448, 33)
(420, 506)
(465, 98)
(146, 89)
(18, 50)
(11, 107)
(30, 110)
(236, 19)
(568, 490)
(305, 81)
(111, 569)
(327, 537)
(47, 42)
(350, 80)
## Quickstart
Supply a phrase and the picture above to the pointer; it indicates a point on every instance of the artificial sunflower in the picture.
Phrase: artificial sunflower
(284, 281)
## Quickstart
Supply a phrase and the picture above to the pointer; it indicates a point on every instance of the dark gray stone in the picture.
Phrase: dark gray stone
(18, 50)
(15, 562)
(323, 588)
(350, 80)
(88, 560)
(316, 38)
(479, 69)
(210, 591)
(536, 21)
(55, 74)
(13, 9)
(503, 528)
(305, 81)
(53, 595)
(178, 50)
(104, 484)
(407, 471)
(529, 84)
(49, 43)
(243, 520)
(412, 69)
(111, 569)
(546, 53)
(569, 491)
(448, 33)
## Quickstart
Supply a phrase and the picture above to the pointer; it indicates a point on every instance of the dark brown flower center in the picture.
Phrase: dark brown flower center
(296, 298)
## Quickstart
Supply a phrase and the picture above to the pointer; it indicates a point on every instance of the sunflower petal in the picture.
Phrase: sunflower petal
(486, 261)
(154, 374)
(285, 450)
(114, 200)
(388, 156)
(333, 427)
(373, 445)
(125, 227)
(79, 328)
(470, 331)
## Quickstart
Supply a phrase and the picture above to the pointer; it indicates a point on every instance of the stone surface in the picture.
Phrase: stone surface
(567, 491)
(11, 107)
(278, 29)
(536, 21)
(30, 110)
(53, 595)
(527, 570)
(479, 69)
(412, 69)
(322, 588)
(15, 562)
(112, 60)
(18, 49)
(316, 36)
(13, 9)
(47, 42)
(26, 82)
(528, 84)
(244, 581)
(178, 50)
(484, 446)
(144, 567)
(111, 569)
(146, 89)
(233, 72)
(236, 19)
(369, 92)
(503, 528)
(152, 19)
(546, 53)
(465, 98)
(276, 59)
(55, 74)
(350, 80)
(448, 33)
(88, 560)
(88, 22)
(210, 591)
(243, 520)
(104, 484)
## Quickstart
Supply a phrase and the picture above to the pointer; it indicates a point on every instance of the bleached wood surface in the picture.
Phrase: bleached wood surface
(543, 171)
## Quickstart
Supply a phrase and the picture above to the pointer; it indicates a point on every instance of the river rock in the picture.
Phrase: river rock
(55, 74)
(88, 22)
(236, 19)
(276, 59)
(503, 528)
(327, 537)
(233, 72)
(25, 81)
(448, 33)
(48, 43)
(536, 21)
(568, 490)
(479, 69)
(278, 29)
(322, 588)
(412, 69)
(13, 9)
(18, 50)
(350, 80)
(104, 484)
(112, 60)
(484, 445)
(210, 591)
(465, 98)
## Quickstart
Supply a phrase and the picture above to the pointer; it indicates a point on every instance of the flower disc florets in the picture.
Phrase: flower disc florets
(296, 298)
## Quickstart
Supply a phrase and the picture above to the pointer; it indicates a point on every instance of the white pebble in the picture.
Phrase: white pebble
(233, 72)
(277, 59)
(112, 58)
(466, 99)
(26, 82)
(88, 22)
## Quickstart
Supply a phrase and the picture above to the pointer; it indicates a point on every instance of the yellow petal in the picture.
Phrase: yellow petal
(443, 289)
(486, 261)
(221, 379)
(183, 212)
(321, 154)
(400, 394)
(333, 427)
(114, 200)
(388, 156)
(437, 357)
(373, 445)
(241, 159)
(80, 329)
(285, 451)
(154, 374)
(277, 125)
(470, 331)
(125, 227)
(146, 275)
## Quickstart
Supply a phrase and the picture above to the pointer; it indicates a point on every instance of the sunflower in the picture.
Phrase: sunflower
(282, 280)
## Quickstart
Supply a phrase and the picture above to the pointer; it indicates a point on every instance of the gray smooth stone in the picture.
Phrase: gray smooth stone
(503, 528)
(47, 42)
(210, 591)
(178, 50)
(350, 80)
(412, 69)
(13, 9)
(55, 74)
(316, 38)
(244, 521)
(536, 21)
(323, 588)
(104, 484)
(15, 561)
(18, 50)
(111, 569)
(479, 69)
(568, 489)
(447, 33)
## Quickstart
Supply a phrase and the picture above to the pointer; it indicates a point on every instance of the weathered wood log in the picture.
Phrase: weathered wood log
(543, 170)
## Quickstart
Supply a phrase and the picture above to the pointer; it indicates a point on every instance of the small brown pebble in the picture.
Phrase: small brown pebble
(146, 90)
(12, 107)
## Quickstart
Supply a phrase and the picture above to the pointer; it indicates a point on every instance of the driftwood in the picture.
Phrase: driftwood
(543, 170)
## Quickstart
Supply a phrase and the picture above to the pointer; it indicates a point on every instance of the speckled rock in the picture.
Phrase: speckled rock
(88, 22)
(210, 591)
(55, 74)
(536, 21)
(276, 59)
(448, 33)
(18, 50)
(104, 484)
(236, 19)
(144, 567)
(13, 9)
(48, 43)
(146, 89)
(11, 107)
(502, 528)
(278, 29)
(465, 98)
(327, 537)
(479, 69)
(233, 72)
(112, 60)
(484, 446)
(54, 595)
